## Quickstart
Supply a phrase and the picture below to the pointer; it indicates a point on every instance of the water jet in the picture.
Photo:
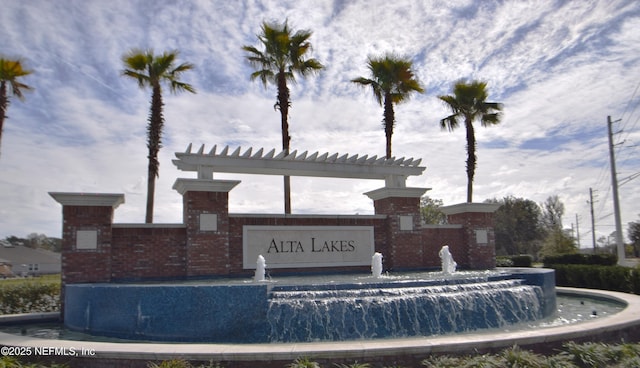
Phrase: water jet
(261, 266)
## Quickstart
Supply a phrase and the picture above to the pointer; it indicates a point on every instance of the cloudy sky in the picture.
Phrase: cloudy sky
(559, 67)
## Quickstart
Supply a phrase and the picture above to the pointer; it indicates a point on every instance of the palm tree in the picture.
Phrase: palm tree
(469, 102)
(10, 71)
(284, 55)
(151, 70)
(392, 82)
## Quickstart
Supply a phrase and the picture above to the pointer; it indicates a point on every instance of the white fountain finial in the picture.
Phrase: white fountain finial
(261, 266)
(448, 264)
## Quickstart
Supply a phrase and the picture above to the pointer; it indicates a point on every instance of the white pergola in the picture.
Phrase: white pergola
(393, 171)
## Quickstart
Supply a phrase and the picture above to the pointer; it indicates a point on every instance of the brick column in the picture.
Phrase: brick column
(86, 235)
(477, 222)
(206, 217)
(404, 238)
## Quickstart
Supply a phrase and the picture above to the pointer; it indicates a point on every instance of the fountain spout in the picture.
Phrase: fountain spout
(448, 264)
(376, 265)
(261, 266)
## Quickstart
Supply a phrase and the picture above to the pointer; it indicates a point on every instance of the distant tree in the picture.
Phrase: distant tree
(469, 103)
(552, 212)
(11, 70)
(36, 241)
(392, 81)
(634, 237)
(557, 240)
(518, 227)
(151, 70)
(430, 211)
(283, 55)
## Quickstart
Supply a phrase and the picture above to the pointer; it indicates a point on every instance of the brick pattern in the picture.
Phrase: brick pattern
(406, 246)
(155, 252)
(434, 238)
(148, 253)
(207, 252)
(479, 256)
(92, 265)
(237, 223)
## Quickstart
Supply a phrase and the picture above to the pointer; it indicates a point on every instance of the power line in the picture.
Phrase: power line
(629, 103)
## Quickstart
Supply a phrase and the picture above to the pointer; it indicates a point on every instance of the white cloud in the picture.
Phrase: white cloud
(559, 69)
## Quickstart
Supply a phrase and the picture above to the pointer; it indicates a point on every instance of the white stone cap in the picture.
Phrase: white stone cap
(387, 192)
(470, 207)
(183, 185)
(88, 199)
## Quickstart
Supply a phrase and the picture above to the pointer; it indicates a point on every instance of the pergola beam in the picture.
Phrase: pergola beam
(394, 171)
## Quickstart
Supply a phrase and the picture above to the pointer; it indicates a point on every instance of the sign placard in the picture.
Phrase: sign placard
(307, 246)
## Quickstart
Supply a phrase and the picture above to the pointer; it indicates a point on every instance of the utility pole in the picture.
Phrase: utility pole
(616, 201)
(578, 230)
(593, 221)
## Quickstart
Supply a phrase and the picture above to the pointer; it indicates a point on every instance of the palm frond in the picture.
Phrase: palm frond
(10, 71)
(450, 122)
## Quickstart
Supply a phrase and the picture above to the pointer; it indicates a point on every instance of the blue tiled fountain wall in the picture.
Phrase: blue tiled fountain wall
(277, 312)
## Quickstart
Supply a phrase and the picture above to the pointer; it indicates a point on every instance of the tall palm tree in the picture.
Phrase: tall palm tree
(469, 103)
(10, 71)
(284, 54)
(392, 82)
(151, 70)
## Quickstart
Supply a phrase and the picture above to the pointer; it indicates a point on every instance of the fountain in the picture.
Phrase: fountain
(261, 266)
(376, 265)
(304, 309)
(448, 264)
(174, 282)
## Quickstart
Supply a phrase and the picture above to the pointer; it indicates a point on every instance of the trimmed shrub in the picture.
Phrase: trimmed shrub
(29, 297)
(615, 278)
(523, 260)
(584, 259)
(504, 261)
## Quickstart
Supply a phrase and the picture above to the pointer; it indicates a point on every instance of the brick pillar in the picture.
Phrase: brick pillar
(404, 238)
(477, 220)
(87, 220)
(206, 217)
(86, 235)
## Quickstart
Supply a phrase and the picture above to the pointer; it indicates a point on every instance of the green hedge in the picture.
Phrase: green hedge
(583, 259)
(615, 278)
(29, 297)
(523, 260)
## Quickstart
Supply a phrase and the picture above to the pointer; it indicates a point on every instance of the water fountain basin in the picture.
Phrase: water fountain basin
(283, 311)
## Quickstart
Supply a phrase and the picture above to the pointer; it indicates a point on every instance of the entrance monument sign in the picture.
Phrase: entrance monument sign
(103, 261)
(308, 246)
(211, 242)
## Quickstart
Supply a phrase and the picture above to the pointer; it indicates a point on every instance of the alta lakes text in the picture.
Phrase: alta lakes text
(313, 246)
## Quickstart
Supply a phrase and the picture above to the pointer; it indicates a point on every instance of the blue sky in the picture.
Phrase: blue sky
(559, 68)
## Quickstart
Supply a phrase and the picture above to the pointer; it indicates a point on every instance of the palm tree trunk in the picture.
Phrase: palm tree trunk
(471, 158)
(151, 189)
(4, 103)
(388, 122)
(283, 105)
(154, 142)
